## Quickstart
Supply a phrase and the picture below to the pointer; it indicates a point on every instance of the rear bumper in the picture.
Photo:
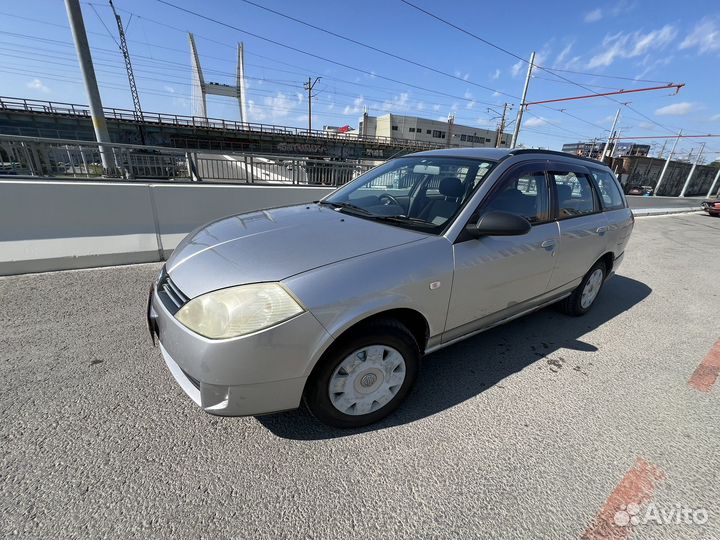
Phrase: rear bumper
(254, 374)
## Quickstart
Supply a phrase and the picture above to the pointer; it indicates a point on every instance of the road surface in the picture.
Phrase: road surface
(548, 427)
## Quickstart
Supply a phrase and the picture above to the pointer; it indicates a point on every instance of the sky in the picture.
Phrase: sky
(603, 46)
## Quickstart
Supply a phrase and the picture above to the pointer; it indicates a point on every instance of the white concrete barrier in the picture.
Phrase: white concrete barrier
(58, 225)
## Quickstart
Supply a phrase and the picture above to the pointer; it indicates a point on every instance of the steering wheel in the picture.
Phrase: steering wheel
(389, 198)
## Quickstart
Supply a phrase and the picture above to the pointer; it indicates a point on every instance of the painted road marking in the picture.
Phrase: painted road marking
(635, 488)
(707, 372)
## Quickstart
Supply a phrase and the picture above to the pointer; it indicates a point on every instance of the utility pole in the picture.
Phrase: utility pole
(82, 47)
(692, 170)
(612, 131)
(501, 127)
(523, 104)
(309, 85)
(667, 162)
(451, 121)
(612, 152)
(662, 150)
(717, 175)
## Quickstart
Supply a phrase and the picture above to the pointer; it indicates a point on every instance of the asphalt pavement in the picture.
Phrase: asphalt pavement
(536, 429)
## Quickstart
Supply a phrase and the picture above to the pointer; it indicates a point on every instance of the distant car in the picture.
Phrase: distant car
(712, 207)
(640, 190)
(335, 302)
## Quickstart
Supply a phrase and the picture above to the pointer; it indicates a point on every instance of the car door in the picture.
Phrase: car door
(619, 217)
(498, 276)
(582, 224)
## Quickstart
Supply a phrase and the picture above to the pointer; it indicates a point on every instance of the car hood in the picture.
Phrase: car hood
(271, 245)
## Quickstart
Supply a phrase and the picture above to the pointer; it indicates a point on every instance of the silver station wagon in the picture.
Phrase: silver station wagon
(334, 303)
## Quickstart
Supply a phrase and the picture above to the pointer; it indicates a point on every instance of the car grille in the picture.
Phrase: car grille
(169, 293)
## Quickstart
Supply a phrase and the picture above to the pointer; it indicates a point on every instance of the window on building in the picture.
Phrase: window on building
(487, 140)
(394, 128)
(411, 130)
(428, 132)
(463, 137)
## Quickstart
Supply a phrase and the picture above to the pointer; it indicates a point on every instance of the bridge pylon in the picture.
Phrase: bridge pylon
(201, 88)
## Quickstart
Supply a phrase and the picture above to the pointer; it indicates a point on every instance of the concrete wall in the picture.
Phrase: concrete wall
(645, 171)
(59, 225)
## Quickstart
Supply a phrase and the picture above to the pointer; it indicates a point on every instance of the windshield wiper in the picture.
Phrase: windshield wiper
(400, 218)
(348, 206)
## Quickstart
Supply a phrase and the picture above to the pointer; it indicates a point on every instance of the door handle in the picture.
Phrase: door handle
(601, 230)
(548, 244)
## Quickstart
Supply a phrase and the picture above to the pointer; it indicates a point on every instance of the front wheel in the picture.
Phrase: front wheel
(365, 376)
(583, 298)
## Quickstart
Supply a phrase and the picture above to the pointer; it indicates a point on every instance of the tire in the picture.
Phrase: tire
(362, 366)
(575, 304)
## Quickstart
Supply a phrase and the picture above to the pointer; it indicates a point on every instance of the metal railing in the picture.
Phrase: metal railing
(66, 158)
(72, 109)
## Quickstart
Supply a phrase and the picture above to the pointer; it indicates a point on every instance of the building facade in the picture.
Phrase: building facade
(448, 133)
(594, 149)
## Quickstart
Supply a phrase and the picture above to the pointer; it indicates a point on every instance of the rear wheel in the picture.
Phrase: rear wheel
(583, 298)
(365, 376)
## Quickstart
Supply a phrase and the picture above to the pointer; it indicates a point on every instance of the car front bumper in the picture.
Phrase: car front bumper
(255, 374)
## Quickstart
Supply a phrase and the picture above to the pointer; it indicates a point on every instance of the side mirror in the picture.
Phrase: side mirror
(496, 223)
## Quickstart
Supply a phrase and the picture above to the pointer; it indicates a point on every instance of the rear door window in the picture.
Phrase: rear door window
(608, 189)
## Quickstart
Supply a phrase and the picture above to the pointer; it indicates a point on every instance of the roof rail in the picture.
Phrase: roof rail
(521, 151)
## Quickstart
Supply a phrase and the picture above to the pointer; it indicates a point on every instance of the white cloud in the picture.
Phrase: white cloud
(420, 106)
(535, 122)
(563, 55)
(676, 109)
(357, 106)
(397, 103)
(467, 94)
(496, 75)
(37, 84)
(470, 104)
(632, 45)
(272, 108)
(484, 122)
(594, 15)
(705, 36)
(436, 108)
(715, 118)
(169, 89)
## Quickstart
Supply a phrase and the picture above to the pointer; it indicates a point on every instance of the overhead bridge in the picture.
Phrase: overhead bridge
(37, 118)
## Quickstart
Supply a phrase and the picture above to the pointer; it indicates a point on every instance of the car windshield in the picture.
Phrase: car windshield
(422, 193)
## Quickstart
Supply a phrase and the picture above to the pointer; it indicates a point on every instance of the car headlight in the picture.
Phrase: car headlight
(239, 310)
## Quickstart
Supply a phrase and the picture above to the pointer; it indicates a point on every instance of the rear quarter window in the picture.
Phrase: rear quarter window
(608, 189)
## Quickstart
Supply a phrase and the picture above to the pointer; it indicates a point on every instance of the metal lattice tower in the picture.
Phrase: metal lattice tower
(128, 66)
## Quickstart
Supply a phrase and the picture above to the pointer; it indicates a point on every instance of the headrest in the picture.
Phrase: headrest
(451, 187)
(564, 192)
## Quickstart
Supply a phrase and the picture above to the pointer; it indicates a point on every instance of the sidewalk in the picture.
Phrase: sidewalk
(643, 212)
